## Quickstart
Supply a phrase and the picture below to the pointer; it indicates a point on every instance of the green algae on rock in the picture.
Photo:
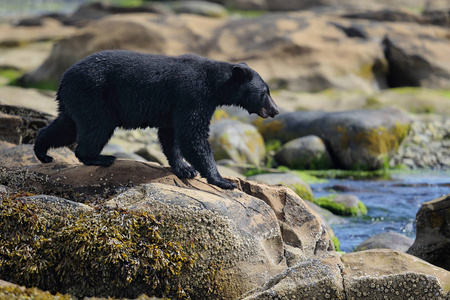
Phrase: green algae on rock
(341, 207)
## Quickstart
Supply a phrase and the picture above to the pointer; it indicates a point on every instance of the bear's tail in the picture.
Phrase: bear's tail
(61, 132)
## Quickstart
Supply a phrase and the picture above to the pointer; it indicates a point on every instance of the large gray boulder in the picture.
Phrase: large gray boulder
(355, 139)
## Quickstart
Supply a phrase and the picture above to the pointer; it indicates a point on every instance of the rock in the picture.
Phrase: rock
(229, 172)
(289, 210)
(34, 99)
(387, 240)
(301, 51)
(9, 128)
(394, 274)
(352, 203)
(56, 204)
(27, 57)
(372, 274)
(13, 36)
(317, 54)
(153, 153)
(10, 290)
(317, 278)
(433, 239)
(235, 234)
(410, 99)
(411, 66)
(298, 50)
(414, 51)
(141, 142)
(323, 5)
(426, 146)
(292, 181)
(97, 10)
(307, 152)
(386, 15)
(20, 125)
(126, 155)
(326, 215)
(238, 141)
(5, 145)
(344, 205)
(202, 8)
(23, 155)
(360, 139)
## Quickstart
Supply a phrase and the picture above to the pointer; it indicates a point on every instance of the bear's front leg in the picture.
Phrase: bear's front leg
(172, 151)
(192, 138)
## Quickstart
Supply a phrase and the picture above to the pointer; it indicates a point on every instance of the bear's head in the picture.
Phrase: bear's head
(252, 92)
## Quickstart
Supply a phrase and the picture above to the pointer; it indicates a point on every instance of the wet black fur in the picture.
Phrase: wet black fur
(177, 95)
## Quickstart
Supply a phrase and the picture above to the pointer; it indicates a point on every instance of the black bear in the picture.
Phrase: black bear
(177, 95)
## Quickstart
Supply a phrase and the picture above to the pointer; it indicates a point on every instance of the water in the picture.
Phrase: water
(392, 204)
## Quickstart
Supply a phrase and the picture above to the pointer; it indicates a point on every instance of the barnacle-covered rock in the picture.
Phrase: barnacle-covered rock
(371, 274)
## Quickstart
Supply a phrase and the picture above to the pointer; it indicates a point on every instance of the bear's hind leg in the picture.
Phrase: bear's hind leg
(91, 141)
(61, 132)
(172, 151)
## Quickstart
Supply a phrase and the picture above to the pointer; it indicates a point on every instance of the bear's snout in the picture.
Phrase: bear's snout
(269, 109)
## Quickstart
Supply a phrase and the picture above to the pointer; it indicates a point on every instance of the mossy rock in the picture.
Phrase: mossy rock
(359, 139)
(343, 205)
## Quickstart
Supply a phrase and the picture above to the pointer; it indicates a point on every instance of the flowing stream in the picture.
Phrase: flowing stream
(392, 204)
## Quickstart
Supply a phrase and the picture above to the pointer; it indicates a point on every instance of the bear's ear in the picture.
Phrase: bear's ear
(239, 73)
